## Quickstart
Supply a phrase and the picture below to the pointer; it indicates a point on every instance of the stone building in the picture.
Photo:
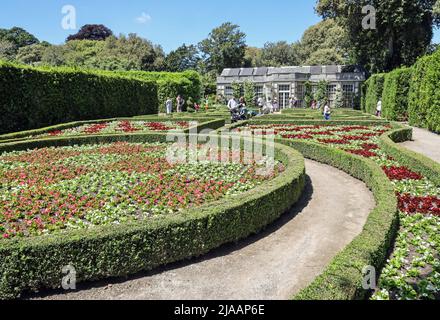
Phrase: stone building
(285, 82)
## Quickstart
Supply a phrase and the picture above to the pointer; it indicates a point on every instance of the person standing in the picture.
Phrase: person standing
(276, 106)
(327, 112)
(232, 104)
(206, 103)
(180, 103)
(260, 103)
(379, 108)
(169, 106)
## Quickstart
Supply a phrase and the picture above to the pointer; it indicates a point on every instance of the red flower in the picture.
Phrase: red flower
(411, 204)
(333, 141)
(363, 153)
(297, 136)
(401, 173)
(370, 146)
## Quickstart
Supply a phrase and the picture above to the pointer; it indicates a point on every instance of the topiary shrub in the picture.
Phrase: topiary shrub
(395, 94)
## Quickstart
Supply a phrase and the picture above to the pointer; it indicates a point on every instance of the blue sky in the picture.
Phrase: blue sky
(170, 22)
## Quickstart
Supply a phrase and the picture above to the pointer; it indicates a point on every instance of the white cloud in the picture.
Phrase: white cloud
(143, 18)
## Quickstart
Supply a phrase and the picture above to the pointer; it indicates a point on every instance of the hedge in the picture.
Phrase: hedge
(406, 157)
(112, 251)
(37, 97)
(373, 92)
(342, 279)
(424, 93)
(187, 84)
(264, 121)
(395, 94)
(206, 123)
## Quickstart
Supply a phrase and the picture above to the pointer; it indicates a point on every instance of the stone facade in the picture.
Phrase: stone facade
(284, 82)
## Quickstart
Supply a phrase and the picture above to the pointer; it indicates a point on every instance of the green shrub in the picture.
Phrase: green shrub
(170, 84)
(342, 279)
(424, 94)
(37, 97)
(373, 92)
(120, 250)
(395, 94)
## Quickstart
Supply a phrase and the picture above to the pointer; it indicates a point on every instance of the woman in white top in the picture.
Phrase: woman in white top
(327, 112)
(169, 106)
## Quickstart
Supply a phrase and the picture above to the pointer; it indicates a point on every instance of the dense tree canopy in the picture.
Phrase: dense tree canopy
(225, 47)
(403, 30)
(324, 43)
(97, 32)
(18, 37)
(183, 58)
(278, 54)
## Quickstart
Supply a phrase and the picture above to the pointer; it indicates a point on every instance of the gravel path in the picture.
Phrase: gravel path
(426, 143)
(273, 265)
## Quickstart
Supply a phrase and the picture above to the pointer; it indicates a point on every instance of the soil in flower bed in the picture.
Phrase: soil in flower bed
(47, 190)
(117, 127)
(413, 270)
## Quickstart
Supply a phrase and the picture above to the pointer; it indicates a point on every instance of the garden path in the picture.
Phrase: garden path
(275, 264)
(426, 143)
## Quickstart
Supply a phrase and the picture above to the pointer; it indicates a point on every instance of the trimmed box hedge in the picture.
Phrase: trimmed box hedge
(342, 279)
(202, 124)
(406, 157)
(37, 97)
(113, 251)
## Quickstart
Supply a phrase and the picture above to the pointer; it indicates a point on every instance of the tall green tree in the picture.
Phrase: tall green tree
(325, 43)
(224, 48)
(96, 32)
(183, 58)
(403, 30)
(18, 36)
(278, 54)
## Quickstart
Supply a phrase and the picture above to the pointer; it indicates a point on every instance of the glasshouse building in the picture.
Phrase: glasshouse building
(285, 82)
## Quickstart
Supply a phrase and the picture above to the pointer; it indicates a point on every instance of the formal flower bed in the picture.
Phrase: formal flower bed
(413, 270)
(118, 127)
(51, 189)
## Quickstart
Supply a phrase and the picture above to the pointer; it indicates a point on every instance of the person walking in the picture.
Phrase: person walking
(260, 104)
(276, 106)
(379, 108)
(180, 103)
(169, 106)
(327, 112)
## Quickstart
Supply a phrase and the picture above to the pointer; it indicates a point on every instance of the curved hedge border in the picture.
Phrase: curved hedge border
(406, 157)
(202, 124)
(342, 280)
(264, 120)
(112, 251)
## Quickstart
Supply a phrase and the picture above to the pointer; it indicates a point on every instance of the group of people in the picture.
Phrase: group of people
(180, 103)
(238, 109)
(268, 107)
